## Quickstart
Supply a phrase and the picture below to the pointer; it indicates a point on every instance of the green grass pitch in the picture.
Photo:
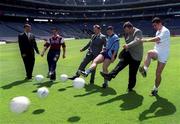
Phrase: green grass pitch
(92, 104)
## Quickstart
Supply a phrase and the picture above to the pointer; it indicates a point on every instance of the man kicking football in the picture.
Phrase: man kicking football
(159, 53)
(131, 55)
(107, 56)
(94, 46)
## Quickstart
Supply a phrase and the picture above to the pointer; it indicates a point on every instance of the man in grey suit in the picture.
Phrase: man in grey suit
(131, 55)
(94, 46)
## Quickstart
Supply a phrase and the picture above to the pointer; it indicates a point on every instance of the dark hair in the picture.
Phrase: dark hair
(156, 20)
(27, 25)
(110, 28)
(54, 28)
(97, 26)
(128, 25)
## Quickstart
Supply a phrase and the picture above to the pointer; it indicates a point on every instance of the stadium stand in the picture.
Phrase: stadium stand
(75, 18)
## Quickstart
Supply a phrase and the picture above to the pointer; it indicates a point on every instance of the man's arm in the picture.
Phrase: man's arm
(21, 47)
(116, 48)
(86, 47)
(136, 41)
(46, 45)
(154, 39)
(104, 43)
(64, 50)
(35, 45)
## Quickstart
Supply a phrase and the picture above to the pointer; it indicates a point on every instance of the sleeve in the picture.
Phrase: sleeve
(63, 42)
(87, 46)
(163, 35)
(136, 40)
(104, 42)
(116, 45)
(47, 44)
(22, 49)
(35, 45)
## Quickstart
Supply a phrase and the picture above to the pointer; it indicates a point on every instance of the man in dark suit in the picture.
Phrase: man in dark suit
(27, 45)
(94, 46)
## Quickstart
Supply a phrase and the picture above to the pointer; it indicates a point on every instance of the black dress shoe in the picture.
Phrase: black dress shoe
(84, 74)
(106, 76)
(73, 77)
(27, 78)
(154, 93)
(52, 76)
(104, 85)
(130, 90)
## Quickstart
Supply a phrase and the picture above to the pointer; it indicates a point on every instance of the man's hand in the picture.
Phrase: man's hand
(37, 52)
(143, 40)
(125, 46)
(158, 41)
(23, 55)
(64, 56)
(42, 54)
(113, 59)
(45, 39)
(81, 50)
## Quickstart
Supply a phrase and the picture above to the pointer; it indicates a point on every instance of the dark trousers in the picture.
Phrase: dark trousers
(29, 65)
(52, 58)
(87, 59)
(126, 59)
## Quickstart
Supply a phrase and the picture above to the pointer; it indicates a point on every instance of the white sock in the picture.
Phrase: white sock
(145, 68)
(155, 88)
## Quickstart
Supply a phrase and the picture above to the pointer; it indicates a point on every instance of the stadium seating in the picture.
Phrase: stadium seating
(77, 21)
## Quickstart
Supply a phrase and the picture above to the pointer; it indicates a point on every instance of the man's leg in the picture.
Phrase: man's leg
(87, 59)
(133, 68)
(99, 59)
(25, 60)
(152, 54)
(55, 57)
(160, 67)
(120, 66)
(92, 76)
(49, 61)
(31, 66)
(106, 64)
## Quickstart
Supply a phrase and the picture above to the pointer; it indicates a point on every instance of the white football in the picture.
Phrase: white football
(42, 92)
(19, 104)
(64, 77)
(39, 78)
(78, 83)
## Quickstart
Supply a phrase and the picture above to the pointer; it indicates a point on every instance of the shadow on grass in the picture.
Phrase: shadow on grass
(15, 83)
(48, 84)
(38, 111)
(161, 107)
(74, 119)
(131, 100)
(63, 89)
(91, 89)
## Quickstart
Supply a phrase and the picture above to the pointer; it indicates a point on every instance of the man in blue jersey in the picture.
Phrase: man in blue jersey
(131, 55)
(107, 56)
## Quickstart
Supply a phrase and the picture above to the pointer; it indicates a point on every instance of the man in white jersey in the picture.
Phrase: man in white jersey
(159, 53)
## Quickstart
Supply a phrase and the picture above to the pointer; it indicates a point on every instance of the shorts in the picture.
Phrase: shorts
(162, 56)
(106, 56)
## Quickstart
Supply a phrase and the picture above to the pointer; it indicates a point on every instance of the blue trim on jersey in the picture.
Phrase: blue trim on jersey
(112, 45)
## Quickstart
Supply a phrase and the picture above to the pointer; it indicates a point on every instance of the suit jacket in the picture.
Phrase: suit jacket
(27, 45)
(135, 47)
(96, 44)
